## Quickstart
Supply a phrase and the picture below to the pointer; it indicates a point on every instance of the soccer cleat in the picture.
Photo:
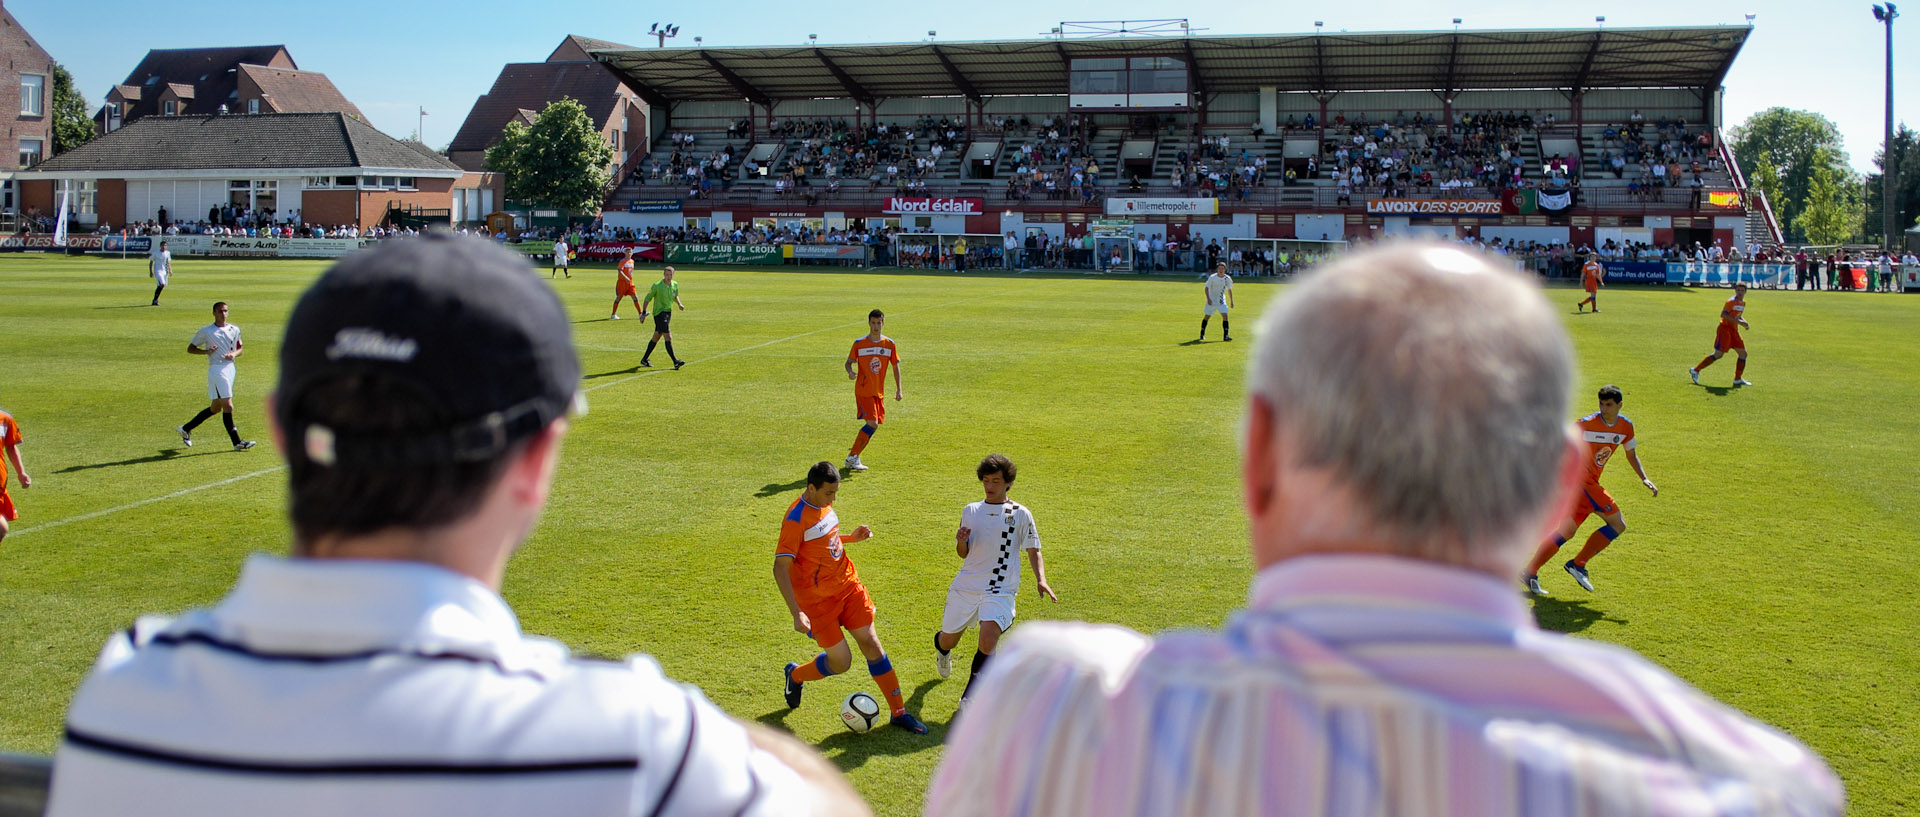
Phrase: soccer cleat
(1579, 574)
(910, 723)
(186, 437)
(613, 317)
(677, 364)
(793, 687)
(244, 445)
(1695, 374)
(1228, 338)
(1580, 306)
(1533, 586)
(1743, 382)
(643, 362)
(854, 463)
(943, 661)
(1596, 310)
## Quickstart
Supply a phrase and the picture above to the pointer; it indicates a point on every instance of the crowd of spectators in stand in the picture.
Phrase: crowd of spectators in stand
(1055, 163)
(233, 221)
(1479, 151)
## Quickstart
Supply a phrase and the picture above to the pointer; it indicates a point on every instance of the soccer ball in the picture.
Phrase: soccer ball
(860, 712)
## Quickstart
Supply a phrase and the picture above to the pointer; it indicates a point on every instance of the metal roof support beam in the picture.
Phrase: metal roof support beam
(854, 88)
(644, 91)
(1193, 70)
(1453, 65)
(745, 88)
(1586, 65)
(959, 80)
(1320, 64)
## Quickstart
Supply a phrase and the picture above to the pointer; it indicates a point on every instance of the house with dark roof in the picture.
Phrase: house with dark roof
(195, 81)
(315, 168)
(29, 122)
(523, 89)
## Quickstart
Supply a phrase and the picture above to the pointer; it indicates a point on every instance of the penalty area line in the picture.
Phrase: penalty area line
(131, 505)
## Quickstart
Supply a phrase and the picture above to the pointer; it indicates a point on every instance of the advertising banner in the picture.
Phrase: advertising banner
(653, 206)
(133, 244)
(239, 245)
(615, 250)
(1162, 207)
(1635, 272)
(723, 254)
(830, 252)
(1704, 273)
(47, 242)
(941, 206)
(1433, 207)
(320, 247)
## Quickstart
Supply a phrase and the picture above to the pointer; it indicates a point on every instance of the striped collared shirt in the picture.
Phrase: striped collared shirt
(1359, 685)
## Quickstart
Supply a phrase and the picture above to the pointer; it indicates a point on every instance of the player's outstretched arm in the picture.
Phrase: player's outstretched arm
(1040, 574)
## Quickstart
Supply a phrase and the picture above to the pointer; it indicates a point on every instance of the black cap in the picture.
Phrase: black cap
(462, 321)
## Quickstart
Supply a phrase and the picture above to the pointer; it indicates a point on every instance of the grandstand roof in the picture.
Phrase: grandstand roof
(1689, 57)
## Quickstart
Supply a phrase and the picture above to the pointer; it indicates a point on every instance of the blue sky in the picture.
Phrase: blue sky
(392, 58)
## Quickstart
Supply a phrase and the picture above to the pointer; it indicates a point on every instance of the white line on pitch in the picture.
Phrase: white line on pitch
(131, 505)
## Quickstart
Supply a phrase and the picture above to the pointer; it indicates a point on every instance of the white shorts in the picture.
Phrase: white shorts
(220, 383)
(559, 260)
(965, 608)
(1212, 308)
(161, 276)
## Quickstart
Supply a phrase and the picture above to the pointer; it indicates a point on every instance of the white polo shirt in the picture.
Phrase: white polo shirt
(324, 687)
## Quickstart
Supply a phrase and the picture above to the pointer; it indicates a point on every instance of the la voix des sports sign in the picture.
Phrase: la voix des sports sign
(1432, 207)
(923, 205)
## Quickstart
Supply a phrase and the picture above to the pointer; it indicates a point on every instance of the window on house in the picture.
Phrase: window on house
(253, 106)
(172, 108)
(406, 183)
(33, 101)
(82, 196)
(345, 181)
(30, 151)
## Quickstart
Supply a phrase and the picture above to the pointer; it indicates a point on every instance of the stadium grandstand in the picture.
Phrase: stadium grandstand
(1548, 136)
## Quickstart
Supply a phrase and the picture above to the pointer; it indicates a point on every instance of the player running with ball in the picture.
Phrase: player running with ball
(992, 533)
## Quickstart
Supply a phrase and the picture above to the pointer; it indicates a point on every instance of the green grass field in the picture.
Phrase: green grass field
(1774, 570)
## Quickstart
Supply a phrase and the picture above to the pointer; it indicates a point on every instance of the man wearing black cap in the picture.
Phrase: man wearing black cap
(424, 390)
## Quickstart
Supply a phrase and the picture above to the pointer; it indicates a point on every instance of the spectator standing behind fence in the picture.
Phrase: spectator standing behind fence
(424, 388)
(1394, 484)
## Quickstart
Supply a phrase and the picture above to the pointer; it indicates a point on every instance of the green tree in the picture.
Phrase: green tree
(1798, 143)
(71, 125)
(1832, 210)
(1764, 175)
(1906, 185)
(561, 160)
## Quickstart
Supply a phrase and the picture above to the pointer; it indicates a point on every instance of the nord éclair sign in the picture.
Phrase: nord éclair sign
(937, 206)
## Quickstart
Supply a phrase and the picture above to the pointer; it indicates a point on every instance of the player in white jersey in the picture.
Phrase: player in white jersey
(160, 268)
(1219, 298)
(560, 250)
(220, 342)
(992, 534)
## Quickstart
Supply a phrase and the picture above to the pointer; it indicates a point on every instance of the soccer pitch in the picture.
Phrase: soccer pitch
(1774, 570)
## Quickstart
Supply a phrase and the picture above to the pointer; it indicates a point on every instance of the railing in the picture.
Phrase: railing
(23, 785)
(1748, 193)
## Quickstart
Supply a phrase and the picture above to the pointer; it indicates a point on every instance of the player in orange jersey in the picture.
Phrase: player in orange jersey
(1591, 275)
(867, 363)
(1733, 318)
(1603, 432)
(10, 443)
(623, 287)
(824, 594)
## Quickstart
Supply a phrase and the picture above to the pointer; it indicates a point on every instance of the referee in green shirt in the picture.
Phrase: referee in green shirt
(663, 296)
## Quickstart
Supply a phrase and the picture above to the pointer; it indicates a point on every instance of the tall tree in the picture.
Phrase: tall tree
(1799, 143)
(1906, 186)
(561, 160)
(1833, 209)
(71, 125)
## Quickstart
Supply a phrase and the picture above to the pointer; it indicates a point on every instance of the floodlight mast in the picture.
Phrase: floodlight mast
(1888, 168)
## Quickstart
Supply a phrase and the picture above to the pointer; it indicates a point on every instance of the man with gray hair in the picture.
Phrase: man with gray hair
(1405, 447)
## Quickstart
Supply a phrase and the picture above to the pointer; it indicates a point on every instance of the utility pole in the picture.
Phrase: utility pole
(1888, 167)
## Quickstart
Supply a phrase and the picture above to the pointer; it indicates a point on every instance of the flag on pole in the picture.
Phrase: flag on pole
(60, 225)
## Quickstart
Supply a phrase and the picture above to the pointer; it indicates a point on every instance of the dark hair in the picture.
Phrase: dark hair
(822, 473)
(1611, 393)
(997, 463)
(876, 314)
(350, 500)
(218, 304)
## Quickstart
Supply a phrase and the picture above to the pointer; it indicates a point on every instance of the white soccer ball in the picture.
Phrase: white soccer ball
(860, 712)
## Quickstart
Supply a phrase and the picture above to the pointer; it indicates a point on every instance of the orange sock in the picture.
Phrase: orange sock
(811, 671)
(1545, 552)
(860, 440)
(1596, 542)
(1740, 369)
(882, 670)
(1704, 363)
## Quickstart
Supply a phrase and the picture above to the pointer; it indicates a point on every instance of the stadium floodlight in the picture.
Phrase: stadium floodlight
(1750, 18)
(663, 33)
(813, 39)
(1888, 172)
(1456, 22)
(932, 34)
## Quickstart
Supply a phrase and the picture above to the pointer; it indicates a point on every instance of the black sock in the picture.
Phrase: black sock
(227, 417)
(1203, 326)
(936, 643)
(650, 345)
(156, 293)
(979, 662)
(204, 415)
(670, 355)
(1226, 329)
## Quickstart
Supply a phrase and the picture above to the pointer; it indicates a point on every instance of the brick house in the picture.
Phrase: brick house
(25, 66)
(328, 168)
(245, 79)
(520, 92)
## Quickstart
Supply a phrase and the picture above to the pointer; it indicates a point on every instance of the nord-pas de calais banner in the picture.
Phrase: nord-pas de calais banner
(922, 205)
(615, 250)
(1163, 207)
(1635, 272)
(1433, 207)
(1707, 273)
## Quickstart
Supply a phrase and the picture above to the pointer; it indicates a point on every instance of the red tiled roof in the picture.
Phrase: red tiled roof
(181, 89)
(212, 73)
(293, 91)
(530, 86)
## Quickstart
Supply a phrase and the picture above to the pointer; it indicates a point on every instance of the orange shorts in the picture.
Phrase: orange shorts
(7, 511)
(848, 611)
(1592, 499)
(871, 408)
(622, 289)
(1728, 337)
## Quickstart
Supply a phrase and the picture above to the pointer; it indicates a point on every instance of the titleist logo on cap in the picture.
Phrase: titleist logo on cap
(372, 344)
